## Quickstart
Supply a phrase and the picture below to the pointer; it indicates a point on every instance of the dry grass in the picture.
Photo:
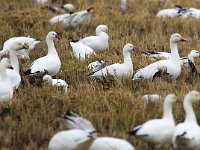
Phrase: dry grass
(114, 110)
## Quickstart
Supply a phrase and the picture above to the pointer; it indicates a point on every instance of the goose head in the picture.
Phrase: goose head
(176, 37)
(101, 28)
(52, 35)
(192, 96)
(47, 78)
(69, 7)
(129, 48)
(194, 54)
(18, 46)
(5, 62)
(170, 99)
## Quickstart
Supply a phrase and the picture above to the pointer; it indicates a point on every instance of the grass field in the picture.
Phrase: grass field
(115, 108)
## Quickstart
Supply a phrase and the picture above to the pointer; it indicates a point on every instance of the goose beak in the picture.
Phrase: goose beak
(25, 46)
(134, 49)
(58, 37)
(183, 39)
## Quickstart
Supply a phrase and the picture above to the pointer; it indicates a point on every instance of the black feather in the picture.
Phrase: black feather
(27, 72)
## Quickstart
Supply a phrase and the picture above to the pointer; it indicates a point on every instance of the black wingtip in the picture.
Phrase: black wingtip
(90, 9)
(27, 72)
(74, 41)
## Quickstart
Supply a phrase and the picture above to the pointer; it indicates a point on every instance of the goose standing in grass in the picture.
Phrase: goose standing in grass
(51, 62)
(187, 134)
(158, 131)
(6, 88)
(56, 82)
(77, 18)
(173, 64)
(97, 65)
(74, 139)
(118, 70)
(74, 121)
(23, 53)
(81, 51)
(98, 43)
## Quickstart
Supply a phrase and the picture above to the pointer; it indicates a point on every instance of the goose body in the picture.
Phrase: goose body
(187, 134)
(172, 65)
(74, 139)
(51, 62)
(59, 18)
(98, 43)
(96, 65)
(6, 88)
(81, 51)
(166, 125)
(118, 70)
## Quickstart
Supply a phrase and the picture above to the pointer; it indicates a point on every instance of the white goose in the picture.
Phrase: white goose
(187, 134)
(56, 82)
(81, 51)
(98, 43)
(51, 62)
(191, 57)
(123, 6)
(158, 131)
(118, 70)
(74, 139)
(96, 65)
(6, 88)
(59, 18)
(24, 53)
(74, 121)
(173, 64)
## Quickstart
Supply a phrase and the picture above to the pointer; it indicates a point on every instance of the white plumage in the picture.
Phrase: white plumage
(187, 134)
(96, 65)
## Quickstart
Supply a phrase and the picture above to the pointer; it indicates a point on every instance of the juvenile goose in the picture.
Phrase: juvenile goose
(6, 88)
(118, 70)
(81, 51)
(74, 139)
(158, 131)
(98, 43)
(172, 65)
(187, 134)
(51, 62)
(56, 82)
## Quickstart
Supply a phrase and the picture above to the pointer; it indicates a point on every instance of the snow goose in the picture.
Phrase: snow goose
(123, 6)
(98, 43)
(118, 70)
(77, 18)
(57, 82)
(166, 125)
(151, 97)
(74, 139)
(6, 88)
(23, 53)
(51, 62)
(187, 134)
(81, 51)
(173, 64)
(96, 65)
(59, 18)
(74, 121)
(40, 1)
(191, 57)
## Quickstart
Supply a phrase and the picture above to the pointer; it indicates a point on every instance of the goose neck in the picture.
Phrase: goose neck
(3, 74)
(127, 58)
(168, 111)
(14, 60)
(190, 115)
(51, 47)
(174, 51)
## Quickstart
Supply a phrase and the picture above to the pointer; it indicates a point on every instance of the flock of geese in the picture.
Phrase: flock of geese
(81, 133)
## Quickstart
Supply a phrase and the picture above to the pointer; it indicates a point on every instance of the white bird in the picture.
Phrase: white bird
(81, 51)
(51, 62)
(172, 65)
(123, 6)
(151, 97)
(191, 57)
(74, 139)
(77, 18)
(23, 53)
(187, 134)
(98, 43)
(40, 1)
(118, 70)
(56, 82)
(158, 131)
(74, 121)
(96, 65)
(59, 18)
(6, 88)
(191, 12)
(69, 7)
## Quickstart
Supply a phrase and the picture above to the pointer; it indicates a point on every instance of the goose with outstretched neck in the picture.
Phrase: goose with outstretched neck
(51, 62)
(172, 65)
(187, 134)
(158, 131)
(118, 70)
(6, 88)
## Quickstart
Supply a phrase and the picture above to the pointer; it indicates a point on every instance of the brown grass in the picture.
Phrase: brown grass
(114, 110)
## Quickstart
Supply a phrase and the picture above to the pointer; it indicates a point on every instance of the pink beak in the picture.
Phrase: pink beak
(58, 37)
(183, 39)
(25, 46)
